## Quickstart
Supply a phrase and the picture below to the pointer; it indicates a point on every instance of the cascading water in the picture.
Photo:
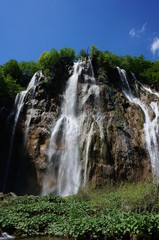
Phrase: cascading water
(33, 84)
(90, 87)
(6, 236)
(151, 125)
(89, 120)
(74, 127)
(18, 105)
(63, 150)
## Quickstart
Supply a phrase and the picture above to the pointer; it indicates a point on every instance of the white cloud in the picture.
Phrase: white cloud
(138, 32)
(143, 28)
(155, 46)
(132, 32)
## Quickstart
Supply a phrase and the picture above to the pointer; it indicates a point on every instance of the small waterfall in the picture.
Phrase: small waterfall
(125, 85)
(90, 88)
(18, 105)
(63, 152)
(88, 120)
(144, 87)
(151, 125)
(33, 85)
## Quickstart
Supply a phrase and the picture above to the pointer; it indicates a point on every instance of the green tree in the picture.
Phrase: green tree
(48, 60)
(28, 68)
(67, 55)
(12, 69)
(82, 53)
(8, 89)
(151, 74)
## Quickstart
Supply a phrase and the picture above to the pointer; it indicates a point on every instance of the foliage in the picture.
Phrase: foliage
(12, 69)
(67, 55)
(114, 214)
(55, 66)
(8, 89)
(151, 74)
(28, 69)
(82, 53)
(105, 62)
(48, 60)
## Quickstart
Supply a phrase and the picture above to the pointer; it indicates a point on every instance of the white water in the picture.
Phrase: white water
(63, 150)
(151, 125)
(71, 132)
(18, 105)
(148, 89)
(87, 121)
(90, 88)
(33, 84)
(6, 236)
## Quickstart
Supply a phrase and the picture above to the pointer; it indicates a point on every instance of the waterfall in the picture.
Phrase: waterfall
(18, 105)
(151, 124)
(90, 87)
(87, 121)
(63, 152)
(73, 130)
(32, 85)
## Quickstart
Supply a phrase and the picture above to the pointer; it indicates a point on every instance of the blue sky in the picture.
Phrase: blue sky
(30, 27)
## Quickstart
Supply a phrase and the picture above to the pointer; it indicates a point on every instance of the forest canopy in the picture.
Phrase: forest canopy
(15, 76)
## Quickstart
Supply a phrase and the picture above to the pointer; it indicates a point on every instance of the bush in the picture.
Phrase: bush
(100, 215)
(12, 69)
(67, 55)
(8, 90)
(48, 60)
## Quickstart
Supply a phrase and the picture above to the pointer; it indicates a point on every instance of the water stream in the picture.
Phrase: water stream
(63, 152)
(72, 130)
(18, 105)
(151, 124)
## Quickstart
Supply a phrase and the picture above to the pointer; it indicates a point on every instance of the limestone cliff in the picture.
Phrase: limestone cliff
(119, 155)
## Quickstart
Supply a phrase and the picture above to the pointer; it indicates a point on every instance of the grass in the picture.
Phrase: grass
(115, 213)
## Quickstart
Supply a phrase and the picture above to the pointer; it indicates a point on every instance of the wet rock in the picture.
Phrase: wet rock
(119, 156)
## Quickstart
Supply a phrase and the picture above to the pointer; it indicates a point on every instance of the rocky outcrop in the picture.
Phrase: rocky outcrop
(121, 155)
(124, 156)
(118, 155)
(28, 160)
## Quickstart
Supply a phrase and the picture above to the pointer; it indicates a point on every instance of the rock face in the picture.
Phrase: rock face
(118, 155)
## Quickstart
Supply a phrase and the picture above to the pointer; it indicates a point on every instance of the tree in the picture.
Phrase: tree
(67, 55)
(8, 89)
(48, 60)
(83, 53)
(12, 69)
(28, 68)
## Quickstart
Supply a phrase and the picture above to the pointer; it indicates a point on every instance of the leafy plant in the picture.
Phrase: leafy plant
(116, 213)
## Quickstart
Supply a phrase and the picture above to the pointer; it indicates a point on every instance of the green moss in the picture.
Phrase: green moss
(119, 117)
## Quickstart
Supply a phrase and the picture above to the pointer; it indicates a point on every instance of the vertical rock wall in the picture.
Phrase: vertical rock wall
(120, 155)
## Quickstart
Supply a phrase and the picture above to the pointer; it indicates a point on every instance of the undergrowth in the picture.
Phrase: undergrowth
(126, 212)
